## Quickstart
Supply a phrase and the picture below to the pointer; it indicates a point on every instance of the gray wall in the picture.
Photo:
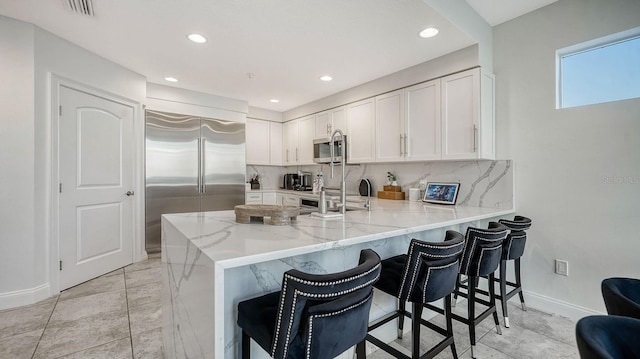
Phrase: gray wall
(565, 158)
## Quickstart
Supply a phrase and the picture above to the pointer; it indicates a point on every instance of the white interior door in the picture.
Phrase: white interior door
(96, 186)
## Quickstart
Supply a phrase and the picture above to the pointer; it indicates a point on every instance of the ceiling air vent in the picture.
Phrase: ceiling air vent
(82, 7)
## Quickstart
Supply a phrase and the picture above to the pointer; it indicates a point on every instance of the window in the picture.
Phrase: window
(602, 70)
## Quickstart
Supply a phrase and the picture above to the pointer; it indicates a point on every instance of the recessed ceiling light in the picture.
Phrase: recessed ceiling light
(274, 100)
(429, 32)
(197, 38)
(171, 79)
(326, 78)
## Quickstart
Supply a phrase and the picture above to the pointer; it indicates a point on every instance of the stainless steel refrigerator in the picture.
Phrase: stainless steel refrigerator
(193, 164)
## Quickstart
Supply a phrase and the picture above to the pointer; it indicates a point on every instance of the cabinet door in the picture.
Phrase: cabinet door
(291, 200)
(257, 142)
(460, 113)
(339, 121)
(390, 145)
(275, 140)
(306, 134)
(269, 198)
(362, 135)
(253, 198)
(423, 122)
(323, 125)
(290, 142)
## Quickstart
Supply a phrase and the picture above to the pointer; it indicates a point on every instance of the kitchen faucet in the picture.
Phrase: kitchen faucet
(343, 189)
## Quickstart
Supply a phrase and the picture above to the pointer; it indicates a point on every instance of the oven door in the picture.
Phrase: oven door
(308, 205)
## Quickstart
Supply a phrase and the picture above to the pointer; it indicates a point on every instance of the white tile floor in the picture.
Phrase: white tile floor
(118, 316)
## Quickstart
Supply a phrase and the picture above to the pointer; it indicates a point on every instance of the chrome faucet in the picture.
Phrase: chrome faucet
(343, 189)
(367, 204)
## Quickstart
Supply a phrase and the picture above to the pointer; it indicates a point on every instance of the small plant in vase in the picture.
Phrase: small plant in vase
(391, 179)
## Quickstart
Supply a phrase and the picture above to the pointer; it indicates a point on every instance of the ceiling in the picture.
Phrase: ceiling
(286, 45)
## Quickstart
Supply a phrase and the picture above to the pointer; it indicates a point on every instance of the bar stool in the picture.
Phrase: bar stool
(425, 274)
(512, 249)
(313, 316)
(607, 337)
(622, 296)
(481, 257)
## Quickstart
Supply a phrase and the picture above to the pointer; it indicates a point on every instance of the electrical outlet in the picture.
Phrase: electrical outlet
(562, 267)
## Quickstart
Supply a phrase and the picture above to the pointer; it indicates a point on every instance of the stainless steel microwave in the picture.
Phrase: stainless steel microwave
(322, 150)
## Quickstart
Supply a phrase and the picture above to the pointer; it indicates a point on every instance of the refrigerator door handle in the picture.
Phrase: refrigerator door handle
(199, 166)
(202, 166)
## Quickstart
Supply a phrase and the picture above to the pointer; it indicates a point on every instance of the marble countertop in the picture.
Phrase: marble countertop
(230, 244)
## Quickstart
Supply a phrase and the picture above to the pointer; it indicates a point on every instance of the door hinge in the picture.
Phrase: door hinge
(60, 110)
(60, 188)
(60, 265)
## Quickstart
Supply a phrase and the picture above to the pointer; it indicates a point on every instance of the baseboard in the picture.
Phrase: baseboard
(24, 296)
(555, 306)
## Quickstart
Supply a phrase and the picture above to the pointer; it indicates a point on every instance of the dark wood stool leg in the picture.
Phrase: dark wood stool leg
(503, 291)
(471, 309)
(516, 263)
(449, 322)
(246, 346)
(492, 302)
(361, 350)
(402, 311)
(415, 330)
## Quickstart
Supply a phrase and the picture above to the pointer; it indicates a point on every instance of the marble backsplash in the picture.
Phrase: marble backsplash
(482, 183)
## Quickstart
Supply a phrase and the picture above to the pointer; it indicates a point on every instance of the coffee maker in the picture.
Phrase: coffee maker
(290, 181)
(297, 181)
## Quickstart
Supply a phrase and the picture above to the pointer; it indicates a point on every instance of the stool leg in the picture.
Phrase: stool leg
(492, 301)
(402, 310)
(246, 346)
(455, 291)
(447, 317)
(415, 330)
(471, 310)
(519, 283)
(503, 291)
(361, 352)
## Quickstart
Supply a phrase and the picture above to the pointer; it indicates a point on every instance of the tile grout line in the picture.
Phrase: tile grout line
(126, 297)
(45, 326)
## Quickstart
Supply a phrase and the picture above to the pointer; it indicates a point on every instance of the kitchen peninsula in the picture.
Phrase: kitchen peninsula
(210, 262)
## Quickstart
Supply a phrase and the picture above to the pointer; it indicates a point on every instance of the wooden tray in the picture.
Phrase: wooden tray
(392, 188)
(390, 195)
(279, 215)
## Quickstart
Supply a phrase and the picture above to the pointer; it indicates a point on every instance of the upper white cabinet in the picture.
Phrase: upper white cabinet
(306, 134)
(257, 141)
(263, 142)
(331, 120)
(390, 127)
(361, 140)
(290, 143)
(422, 136)
(275, 145)
(468, 117)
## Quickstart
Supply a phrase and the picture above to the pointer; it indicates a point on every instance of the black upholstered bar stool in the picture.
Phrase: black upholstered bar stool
(622, 296)
(313, 316)
(425, 274)
(512, 250)
(480, 259)
(608, 337)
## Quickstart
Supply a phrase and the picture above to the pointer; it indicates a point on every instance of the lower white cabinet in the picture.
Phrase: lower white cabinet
(269, 198)
(253, 198)
(290, 200)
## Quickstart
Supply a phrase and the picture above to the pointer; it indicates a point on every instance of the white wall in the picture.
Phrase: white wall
(17, 205)
(563, 158)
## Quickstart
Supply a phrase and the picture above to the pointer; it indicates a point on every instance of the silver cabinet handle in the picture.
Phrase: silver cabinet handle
(297, 159)
(401, 147)
(406, 145)
(287, 155)
(202, 180)
(199, 165)
(129, 193)
(475, 138)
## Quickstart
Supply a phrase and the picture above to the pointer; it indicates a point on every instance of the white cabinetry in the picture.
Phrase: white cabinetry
(269, 198)
(290, 143)
(330, 120)
(263, 142)
(361, 127)
(290, 200)
(253, 198)
(390, 127)
(306, 134)
(468, 117)
(422, 133)
(257, 142)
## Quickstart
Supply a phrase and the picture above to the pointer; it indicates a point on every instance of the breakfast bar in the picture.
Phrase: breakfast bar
(211, 262)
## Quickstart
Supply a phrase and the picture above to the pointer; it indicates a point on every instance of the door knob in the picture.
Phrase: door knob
(129, 193)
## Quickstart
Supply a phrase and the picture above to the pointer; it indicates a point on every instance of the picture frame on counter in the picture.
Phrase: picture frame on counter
(441, 193)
